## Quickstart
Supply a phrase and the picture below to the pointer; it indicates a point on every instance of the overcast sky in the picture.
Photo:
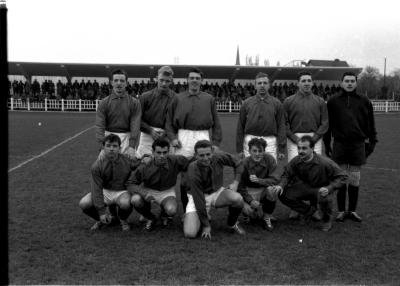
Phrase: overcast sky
(204, 32)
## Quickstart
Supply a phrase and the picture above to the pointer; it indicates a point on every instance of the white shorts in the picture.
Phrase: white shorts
(145, 143)
(292, 147)
(110, 197)
(124, 140)
(272, 147)
(210, 201)
(188, 139)
(158, 196)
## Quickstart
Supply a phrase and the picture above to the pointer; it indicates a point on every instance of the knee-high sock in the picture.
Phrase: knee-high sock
(233, 215)
(145, 210)
(92, 212)
(123, 214)
(113, 210)
(184, 197)
(268, 206)
(353, 197)
(341, 198)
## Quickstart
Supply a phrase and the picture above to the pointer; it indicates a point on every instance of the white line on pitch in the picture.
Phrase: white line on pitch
(49, 150)
(382, 169)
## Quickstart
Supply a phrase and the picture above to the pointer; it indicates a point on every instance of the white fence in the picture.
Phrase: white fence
(91, 105)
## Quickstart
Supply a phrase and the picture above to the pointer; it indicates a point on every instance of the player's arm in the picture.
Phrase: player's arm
(100, 123)
(97, 188)
(240, 128)
(135, 119)
(289, 133)
(370, 146)
(337, 176)
(273, 174)
(135, 180)
(194, 180)
(281, 126)
(216, 135)
(324, 121)
(242, 188)
(227, 159)
(170, 130)
(144, 126)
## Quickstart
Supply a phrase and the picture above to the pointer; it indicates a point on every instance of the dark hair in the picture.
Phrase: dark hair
(202, 144)
(196, 70)
(258, 142)
(262, 74)
(112, 138)
(160, 142)
(349, 74)
(300, 74)
(307, 138)
(166, 71)
(119, 71)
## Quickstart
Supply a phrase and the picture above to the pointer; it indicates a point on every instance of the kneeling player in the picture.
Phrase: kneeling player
(310, 176)
(205, 178)
(110, 174)
(259, 173)
(159, 179)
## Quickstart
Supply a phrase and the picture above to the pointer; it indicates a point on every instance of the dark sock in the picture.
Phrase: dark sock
(92, 212)
(113, 210)
(353, 197)
(268, 206)
(145, 210)
(123, 214)
(233, 215)
(184, 197)
(341, 198)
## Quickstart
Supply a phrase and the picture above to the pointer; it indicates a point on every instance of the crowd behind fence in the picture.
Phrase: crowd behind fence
(88, 90)
(91, 105)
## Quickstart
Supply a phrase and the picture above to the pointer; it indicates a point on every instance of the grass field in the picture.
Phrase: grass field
(49, 240)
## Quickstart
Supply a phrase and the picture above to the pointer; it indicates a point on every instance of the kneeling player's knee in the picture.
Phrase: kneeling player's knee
(354, 178)
(137, 201)
(170, 208)
(86, 202)
(124, 203)
(237, 201)
(190, 233)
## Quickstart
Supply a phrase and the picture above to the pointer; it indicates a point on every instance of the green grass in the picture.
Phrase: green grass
(49, 241)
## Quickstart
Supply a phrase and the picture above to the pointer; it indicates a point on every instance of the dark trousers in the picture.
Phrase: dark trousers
(295, 195)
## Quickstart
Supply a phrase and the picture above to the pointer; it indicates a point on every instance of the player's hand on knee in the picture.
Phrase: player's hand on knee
(323, 192)
(281, 156)
(131, 153)
(275, 189)
(206, 233)
(176, 143)
(155, 134)
(105, 218)
(254, 204)
(234, 186)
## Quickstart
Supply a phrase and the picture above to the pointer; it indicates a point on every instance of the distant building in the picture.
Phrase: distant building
(325, 63)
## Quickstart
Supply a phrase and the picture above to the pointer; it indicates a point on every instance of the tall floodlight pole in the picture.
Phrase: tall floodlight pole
(4, 94)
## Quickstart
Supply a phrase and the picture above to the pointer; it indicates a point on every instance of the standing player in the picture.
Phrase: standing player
(192, 116)
(205, 177)
(310, 176)
(109, 187)
(154, 105)
(259, 173)
(262, 116)
(306, 114)
(158, 180)
(352, 125)
(119, 113)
